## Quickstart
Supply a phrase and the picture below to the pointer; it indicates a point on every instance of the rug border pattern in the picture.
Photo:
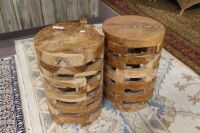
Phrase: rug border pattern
(18, 113)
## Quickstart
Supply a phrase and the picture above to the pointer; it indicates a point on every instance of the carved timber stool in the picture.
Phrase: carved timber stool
(133, 47)
(70, 56)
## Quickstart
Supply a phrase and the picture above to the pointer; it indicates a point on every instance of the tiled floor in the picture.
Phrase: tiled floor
(7, 46)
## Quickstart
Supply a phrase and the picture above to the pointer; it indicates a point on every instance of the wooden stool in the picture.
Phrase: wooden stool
(133, 46)
(70, 56)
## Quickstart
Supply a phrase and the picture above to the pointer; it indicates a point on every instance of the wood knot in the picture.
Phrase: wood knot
(61, 62)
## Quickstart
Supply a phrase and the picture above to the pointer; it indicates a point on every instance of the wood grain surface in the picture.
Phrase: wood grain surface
(75, 45)
(70, 57)
(134, 31)
(133, 47)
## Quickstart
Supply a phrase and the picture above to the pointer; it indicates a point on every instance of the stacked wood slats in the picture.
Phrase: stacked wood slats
(133, 46)
(70, 56)
(23, 14)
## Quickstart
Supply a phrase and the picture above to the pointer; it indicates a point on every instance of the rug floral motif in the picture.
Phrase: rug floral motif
(175, 102)
(183, 32)
(11, 115)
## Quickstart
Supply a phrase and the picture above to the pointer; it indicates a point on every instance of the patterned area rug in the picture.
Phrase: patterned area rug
(176, 101)
(11, 115)
(183, 32)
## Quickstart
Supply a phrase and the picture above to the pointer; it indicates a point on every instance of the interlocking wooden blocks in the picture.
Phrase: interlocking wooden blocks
(133, 47)
(70, 57)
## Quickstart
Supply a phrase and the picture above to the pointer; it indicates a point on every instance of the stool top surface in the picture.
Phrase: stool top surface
(133, 28)
(68, 38)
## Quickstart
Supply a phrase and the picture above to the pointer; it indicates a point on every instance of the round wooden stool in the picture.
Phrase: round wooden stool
(70, 56)
(133, 46)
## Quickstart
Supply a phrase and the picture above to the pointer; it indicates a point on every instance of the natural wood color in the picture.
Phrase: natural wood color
(126, 107)
(124, 74)
(116, 47)
(50, 70)
(64, 110)
(121, 61)
(133, 46)
(66, 82)
(83, 84)
(134, 99)
(82, 119)
(89, 69)
(81, 95)
(70, 44)
(119, 88)
(70, 57)
(79, 107)
(130, 31)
